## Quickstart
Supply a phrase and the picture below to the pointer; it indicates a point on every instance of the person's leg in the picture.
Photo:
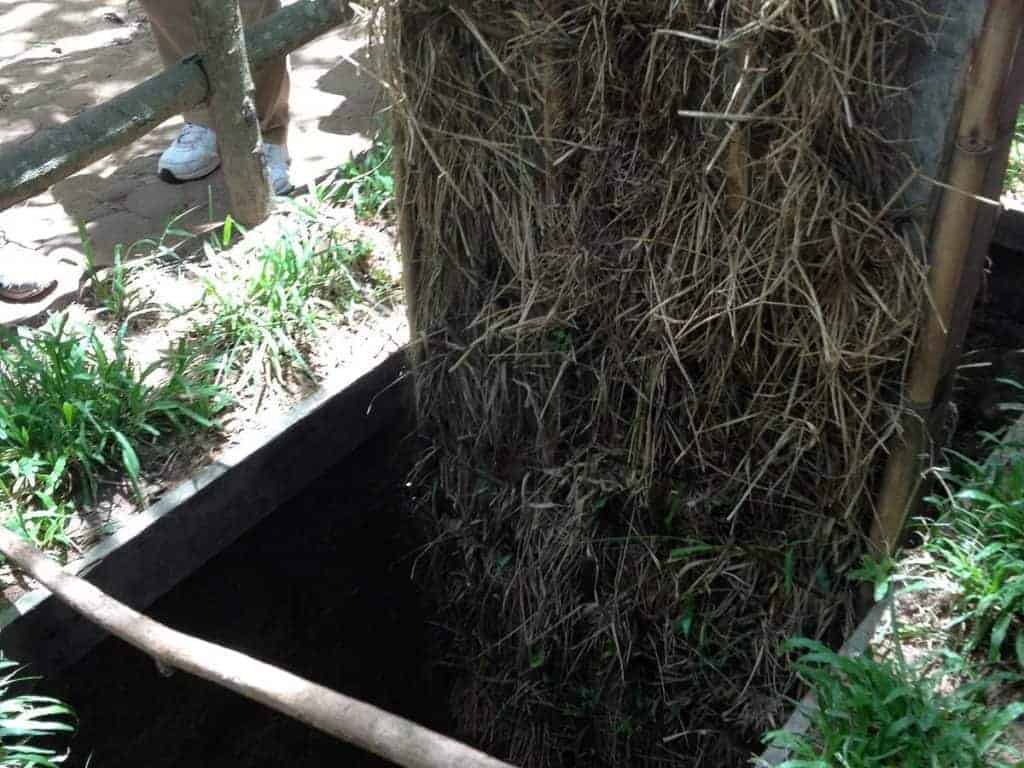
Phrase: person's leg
(273, 83)
(171, 21)
(175, 36)
(273, 88)
(193, 154)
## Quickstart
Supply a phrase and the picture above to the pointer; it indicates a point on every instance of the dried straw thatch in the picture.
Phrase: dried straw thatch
(660, 352)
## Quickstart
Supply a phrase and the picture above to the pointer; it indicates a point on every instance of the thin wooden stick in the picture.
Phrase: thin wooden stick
(977, 135)
(389, 736)
(232, 105)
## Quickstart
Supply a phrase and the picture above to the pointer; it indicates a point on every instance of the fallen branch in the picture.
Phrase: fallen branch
(386, 735)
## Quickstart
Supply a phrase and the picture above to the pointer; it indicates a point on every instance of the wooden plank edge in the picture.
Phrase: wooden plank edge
(191, 524)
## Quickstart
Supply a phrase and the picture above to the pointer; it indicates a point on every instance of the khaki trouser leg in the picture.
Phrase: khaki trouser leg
(171, 21)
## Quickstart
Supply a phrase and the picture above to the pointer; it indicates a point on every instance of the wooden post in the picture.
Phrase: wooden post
(31, 166)
(950, 245)
(232, 106)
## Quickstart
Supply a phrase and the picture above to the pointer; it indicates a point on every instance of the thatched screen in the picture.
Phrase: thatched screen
(664, 296)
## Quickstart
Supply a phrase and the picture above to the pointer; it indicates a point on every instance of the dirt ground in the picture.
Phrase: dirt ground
(60, 57)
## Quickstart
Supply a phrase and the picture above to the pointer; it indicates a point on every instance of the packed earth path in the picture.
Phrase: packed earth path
(60, 57)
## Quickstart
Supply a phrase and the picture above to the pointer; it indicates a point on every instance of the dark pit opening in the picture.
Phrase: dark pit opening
(993, 353)
(321, 588)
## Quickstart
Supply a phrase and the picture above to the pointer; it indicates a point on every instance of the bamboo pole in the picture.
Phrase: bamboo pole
(986, 84)
(31, 166)
(389, 736)
(232, 106)
(986, 233)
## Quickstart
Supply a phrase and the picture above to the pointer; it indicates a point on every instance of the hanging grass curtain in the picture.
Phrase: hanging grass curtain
(663, 300)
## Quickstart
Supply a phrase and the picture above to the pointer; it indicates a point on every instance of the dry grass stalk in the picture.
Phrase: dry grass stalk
(657, 411)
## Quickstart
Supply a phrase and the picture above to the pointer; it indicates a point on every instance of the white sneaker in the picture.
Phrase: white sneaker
(192, 155)
(277, 160)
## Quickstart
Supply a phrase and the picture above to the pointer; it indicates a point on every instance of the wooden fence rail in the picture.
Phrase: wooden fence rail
(31, 166)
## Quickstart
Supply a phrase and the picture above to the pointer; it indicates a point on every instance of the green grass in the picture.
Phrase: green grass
(260, 324)
(116, 290)
(29, 724)
(119, 293)
(73, 408)
(1015, 170)
(977, 541)
(367, 182)
(874, 712)
(883, 713)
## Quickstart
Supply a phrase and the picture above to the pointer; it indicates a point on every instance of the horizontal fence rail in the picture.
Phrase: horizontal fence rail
(33, 165)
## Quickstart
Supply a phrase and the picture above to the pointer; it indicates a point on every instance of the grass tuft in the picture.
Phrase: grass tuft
(29, 723)
(116, 290)
(263, 312)
(977, 542)
(73, 407)
(367, 181)
(880, 712)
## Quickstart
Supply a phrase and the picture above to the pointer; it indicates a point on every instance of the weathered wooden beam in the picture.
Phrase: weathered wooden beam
(31, 166)
(232, 105)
